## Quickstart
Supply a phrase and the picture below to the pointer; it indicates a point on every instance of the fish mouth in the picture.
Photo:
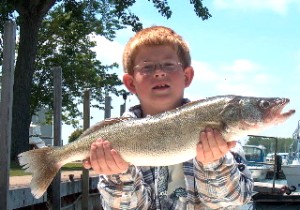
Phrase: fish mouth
(276, 114)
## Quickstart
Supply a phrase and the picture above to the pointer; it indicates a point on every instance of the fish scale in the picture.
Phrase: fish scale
(164, 139)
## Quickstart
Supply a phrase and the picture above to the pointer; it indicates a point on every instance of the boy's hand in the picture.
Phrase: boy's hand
(212, 146)
(105, 160)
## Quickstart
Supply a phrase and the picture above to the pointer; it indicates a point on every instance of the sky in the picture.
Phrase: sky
(249, 48)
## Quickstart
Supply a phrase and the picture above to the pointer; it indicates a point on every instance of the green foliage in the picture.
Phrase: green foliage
(283, 144)
(162, 7)
(65, 41)
(75, 135)
(200, 10)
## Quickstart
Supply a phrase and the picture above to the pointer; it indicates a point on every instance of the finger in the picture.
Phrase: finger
(212, 144)
(222, 144)
(110, 163)
(119, 161)
(207, 153)
(200, 154)
(86, 163)
(97, 156)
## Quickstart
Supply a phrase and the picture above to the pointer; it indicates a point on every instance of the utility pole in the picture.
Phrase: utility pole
(6, 109)
(53, 192)
(85, 172)
(107, 111)
(123, 106)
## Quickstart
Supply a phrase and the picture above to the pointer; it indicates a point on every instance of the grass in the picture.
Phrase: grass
(16, 170)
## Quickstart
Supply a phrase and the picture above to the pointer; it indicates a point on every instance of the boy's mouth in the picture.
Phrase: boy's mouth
(159, 87)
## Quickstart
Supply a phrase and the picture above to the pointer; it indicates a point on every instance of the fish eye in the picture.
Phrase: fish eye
(264, 104)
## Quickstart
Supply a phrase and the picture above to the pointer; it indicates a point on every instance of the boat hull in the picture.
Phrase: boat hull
(292, 174)
(259, 172)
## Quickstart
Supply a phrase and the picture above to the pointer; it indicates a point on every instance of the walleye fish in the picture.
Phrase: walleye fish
(164, 139)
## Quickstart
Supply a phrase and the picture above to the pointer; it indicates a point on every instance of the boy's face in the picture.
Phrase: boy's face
(158, 79)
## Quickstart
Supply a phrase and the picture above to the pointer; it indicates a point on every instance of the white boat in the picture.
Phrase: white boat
(35, 134)
(284, 157)
(255, 156)
(292, 169)
(292, 175)
(259, 172)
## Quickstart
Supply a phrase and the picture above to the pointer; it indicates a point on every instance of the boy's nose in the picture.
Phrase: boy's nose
(159, 72)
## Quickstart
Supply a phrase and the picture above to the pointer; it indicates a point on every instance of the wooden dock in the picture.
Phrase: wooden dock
(266, 197)
(266, 186)
(21, 197)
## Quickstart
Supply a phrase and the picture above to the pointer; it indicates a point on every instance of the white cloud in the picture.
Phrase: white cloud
(236, 89)
(242, 66)
(264, 79)
(107, 51)
(278, 6)
(204, 72)
(239, 71)
(239, 77)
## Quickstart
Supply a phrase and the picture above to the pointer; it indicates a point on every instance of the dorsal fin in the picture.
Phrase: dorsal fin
(104, 123)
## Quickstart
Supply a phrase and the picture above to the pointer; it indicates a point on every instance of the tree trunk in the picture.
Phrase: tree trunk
(31, 16)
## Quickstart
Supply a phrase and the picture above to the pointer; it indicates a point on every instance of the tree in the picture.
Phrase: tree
(64, 40)
(283, 144)
(112, 15)
(75, 134)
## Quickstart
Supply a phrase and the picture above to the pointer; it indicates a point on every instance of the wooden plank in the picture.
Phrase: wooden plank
(267, 187)
(271, 198)
(6, 109)
(22, 197)
(75, 186)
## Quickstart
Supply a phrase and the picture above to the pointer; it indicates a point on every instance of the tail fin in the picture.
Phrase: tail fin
(43, 165)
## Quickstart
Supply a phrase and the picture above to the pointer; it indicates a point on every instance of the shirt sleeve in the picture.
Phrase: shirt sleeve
(226, 182)
(125, 191)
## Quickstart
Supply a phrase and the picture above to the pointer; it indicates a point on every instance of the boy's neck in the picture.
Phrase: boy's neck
(153, 109)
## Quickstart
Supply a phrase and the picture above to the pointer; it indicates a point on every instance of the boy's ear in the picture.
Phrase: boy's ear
(189, 75)
(129, 83)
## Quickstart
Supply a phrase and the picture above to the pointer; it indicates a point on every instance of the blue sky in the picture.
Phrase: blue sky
(245, 48)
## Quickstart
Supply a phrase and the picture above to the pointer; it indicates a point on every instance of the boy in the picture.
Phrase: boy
(157, 67)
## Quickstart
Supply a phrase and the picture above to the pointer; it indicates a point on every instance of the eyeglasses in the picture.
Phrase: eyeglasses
(148, 68)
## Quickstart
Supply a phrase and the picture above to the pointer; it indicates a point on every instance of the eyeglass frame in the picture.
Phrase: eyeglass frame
(155, 65)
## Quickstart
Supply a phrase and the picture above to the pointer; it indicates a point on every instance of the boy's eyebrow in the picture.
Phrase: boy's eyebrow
(163, 59)
(160, 61)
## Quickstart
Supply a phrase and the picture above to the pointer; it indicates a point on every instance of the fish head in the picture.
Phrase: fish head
(254, 113)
